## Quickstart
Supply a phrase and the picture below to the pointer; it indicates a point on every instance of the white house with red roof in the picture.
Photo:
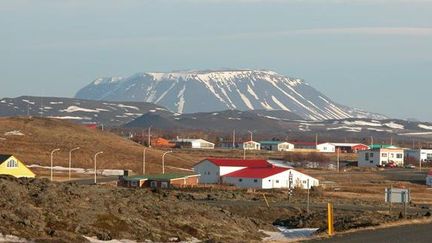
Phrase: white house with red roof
(212, 169)
(269, 178)
(257, 173)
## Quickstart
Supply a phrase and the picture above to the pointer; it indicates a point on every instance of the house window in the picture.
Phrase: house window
(366, 156)
(12, 163)
(277, 181)
(255, 180)
(371, 155)
(240, 180)
(399, 156)
(208, 172)
(164, 184)
(384, 155)
(153, 184)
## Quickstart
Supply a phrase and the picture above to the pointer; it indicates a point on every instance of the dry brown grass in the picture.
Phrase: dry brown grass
(42, 135)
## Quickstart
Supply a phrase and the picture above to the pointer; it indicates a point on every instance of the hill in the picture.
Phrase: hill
(32, 139)
(209, 91)
(77, 110)
(285, 125)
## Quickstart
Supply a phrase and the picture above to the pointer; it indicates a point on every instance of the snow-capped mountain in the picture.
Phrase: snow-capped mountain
(77, 110)
(207, 91)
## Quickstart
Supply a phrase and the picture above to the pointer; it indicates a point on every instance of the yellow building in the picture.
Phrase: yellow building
(9, 165)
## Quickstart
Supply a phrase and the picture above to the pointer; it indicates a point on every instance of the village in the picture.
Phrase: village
(246, 172)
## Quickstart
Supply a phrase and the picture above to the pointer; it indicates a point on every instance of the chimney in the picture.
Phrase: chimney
(125, 173)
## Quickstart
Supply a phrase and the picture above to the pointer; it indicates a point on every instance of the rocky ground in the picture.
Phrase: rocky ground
(65, 212)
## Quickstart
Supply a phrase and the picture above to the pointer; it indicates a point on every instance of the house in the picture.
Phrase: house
(162, 143)
(251, 145)
(159, 180)
(9, 165)
(194, 143)
(380, 157)
(379, 146)
(326, 148)
(269, 177)
(276, 146)
(304, 145)
(425, 155)
(350, 147)
(211, 169)
(429, 178)
(229, 145)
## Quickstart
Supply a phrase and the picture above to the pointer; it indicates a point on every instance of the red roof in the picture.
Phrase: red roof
(240, 162)
(257, 172)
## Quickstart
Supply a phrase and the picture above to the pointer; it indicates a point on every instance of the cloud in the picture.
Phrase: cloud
(410, 31)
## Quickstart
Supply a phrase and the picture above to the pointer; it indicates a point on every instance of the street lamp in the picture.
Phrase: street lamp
(52, 162)
(144, 161)
(70, 160)
(163, 161)
(95, 159)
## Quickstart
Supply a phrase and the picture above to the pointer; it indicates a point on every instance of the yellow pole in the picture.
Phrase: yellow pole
(330, 219)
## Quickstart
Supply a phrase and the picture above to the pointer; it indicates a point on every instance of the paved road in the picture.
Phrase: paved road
(416, 233)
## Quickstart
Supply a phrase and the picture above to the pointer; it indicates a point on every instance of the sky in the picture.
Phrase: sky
(374, 55)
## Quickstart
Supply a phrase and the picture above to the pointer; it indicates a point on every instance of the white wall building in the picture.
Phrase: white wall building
(380, 157)
(429, 178)
(196, 143)
(269, 178)
(424, 154)
(251, 145)
(211, 170)
(276, 146)
(326, 148)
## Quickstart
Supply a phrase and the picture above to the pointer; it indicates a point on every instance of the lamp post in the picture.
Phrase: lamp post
(95, 160)
(144, 161)
(52, 162)
(70, 160)
(163, 161)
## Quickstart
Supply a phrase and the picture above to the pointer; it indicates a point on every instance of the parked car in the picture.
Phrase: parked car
(391, 165)
(410, 166)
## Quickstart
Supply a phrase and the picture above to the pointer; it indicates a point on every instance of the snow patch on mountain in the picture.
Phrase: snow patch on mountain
(208, 91)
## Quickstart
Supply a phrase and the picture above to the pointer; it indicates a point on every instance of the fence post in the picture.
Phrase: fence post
(330, 219)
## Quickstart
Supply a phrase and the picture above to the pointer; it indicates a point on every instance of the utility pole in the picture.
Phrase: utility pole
(316, 139)
(338, 159)
(251, 135)
(308, 196)
(372, 141)
(149, 136)
(234, 138)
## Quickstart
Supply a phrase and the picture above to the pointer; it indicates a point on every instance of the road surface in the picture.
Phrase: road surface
(417, 233)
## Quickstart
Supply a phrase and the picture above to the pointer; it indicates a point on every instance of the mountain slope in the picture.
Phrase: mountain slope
(207, 91)
(77, 110)
(279, 123)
